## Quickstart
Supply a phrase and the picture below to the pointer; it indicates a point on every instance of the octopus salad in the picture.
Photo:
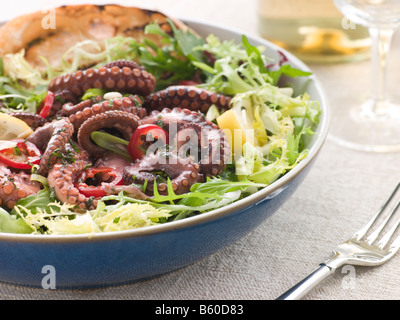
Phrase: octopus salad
(129, 133)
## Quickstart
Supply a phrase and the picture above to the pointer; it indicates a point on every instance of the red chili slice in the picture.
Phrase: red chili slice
(97, 180)
(22, 156)
(46, 104)
(144, 136)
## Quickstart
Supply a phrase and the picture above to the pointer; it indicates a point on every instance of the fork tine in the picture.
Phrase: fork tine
(371, 239)
(363, 231)
(386, 238)
(396, 243)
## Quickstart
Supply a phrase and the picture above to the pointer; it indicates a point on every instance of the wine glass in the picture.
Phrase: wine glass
(372, 125)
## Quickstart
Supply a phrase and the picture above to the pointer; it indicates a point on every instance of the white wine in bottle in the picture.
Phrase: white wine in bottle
(313, 30)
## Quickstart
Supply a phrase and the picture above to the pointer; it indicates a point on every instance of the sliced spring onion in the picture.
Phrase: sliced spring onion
(111, 143)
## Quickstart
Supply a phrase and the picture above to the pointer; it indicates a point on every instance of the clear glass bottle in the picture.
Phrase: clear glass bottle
(313, 30)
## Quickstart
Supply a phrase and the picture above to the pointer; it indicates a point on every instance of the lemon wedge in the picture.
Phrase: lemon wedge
(13, 128)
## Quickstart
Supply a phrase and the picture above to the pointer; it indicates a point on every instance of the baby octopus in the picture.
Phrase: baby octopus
(196, 148)
(182, 171)
(190, 133)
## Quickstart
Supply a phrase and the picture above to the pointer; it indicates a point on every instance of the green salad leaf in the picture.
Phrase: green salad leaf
(240, 68)
(10, 223)
(36, 202)
(172, 62)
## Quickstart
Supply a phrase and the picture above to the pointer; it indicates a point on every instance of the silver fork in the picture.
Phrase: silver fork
(372, 245)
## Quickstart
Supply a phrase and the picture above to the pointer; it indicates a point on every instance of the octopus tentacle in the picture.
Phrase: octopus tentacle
(62, 176)
(15, 186)
(31, 119)
(70, 108)
(212, 150)
(75, 152)
(61, 97)
(134, 80)
(183, 172)
(87, 110)
(125, 122)
(188, 97)
(51, 139)
(123, 63)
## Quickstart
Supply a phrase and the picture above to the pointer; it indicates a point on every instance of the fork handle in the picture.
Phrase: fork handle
(308, 283)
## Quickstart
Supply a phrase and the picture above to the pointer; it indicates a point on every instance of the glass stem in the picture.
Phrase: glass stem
(381, 42)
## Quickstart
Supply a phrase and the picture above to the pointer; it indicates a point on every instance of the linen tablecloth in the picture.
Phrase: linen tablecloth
(339, 195)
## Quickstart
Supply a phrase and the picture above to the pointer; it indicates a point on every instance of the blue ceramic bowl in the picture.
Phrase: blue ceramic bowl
(81, 261)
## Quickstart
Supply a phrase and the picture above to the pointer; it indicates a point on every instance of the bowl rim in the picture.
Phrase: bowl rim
(233, 208)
